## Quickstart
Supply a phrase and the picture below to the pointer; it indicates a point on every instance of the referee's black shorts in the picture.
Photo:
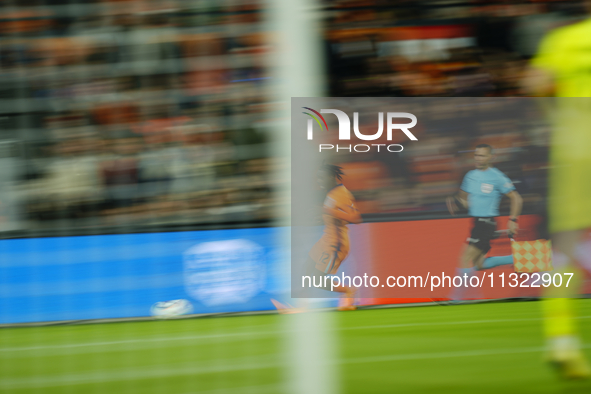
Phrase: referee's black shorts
(483, 230)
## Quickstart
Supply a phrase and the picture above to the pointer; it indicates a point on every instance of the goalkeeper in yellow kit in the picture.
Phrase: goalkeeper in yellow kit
(562, 68)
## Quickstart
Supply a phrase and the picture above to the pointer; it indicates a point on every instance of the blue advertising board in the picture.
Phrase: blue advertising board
(123, 275)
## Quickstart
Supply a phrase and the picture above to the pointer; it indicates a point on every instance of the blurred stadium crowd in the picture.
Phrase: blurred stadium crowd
(437, 48)
(123, 112)
(474, 48)
(158, 112)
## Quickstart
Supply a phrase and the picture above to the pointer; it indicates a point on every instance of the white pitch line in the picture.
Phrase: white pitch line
(133, 341)
(429, 356)
(453, 323)
(440, 323)
(151, 372)
(260, 389)
(150, 340)
(245, 364)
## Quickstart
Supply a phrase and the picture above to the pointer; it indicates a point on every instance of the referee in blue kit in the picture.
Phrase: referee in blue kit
(481, 192)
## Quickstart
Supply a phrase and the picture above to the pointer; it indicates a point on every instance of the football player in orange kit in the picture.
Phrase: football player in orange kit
(329, 252)
(338, 211)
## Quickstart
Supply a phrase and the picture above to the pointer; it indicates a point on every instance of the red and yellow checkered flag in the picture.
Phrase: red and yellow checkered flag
(532, 256)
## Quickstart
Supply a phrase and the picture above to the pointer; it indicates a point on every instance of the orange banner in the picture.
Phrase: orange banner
(418, 247)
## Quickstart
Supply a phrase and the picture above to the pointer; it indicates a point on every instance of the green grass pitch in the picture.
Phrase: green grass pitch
(479, 348)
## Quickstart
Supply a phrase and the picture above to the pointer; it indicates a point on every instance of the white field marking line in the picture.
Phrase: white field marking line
(142, 340)
(426, 356)
(448, 323)
(430, 356)
(264, 388)
(148, 340)
(166, 371)
(151, 372)
(129, 345)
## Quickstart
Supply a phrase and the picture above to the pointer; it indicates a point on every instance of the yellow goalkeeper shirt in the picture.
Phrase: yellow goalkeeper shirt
(566, 53)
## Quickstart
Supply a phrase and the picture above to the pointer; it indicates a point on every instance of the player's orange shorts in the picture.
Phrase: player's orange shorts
(328, 256)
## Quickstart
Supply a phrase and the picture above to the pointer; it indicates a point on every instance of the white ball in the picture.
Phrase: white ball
(168, 309)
